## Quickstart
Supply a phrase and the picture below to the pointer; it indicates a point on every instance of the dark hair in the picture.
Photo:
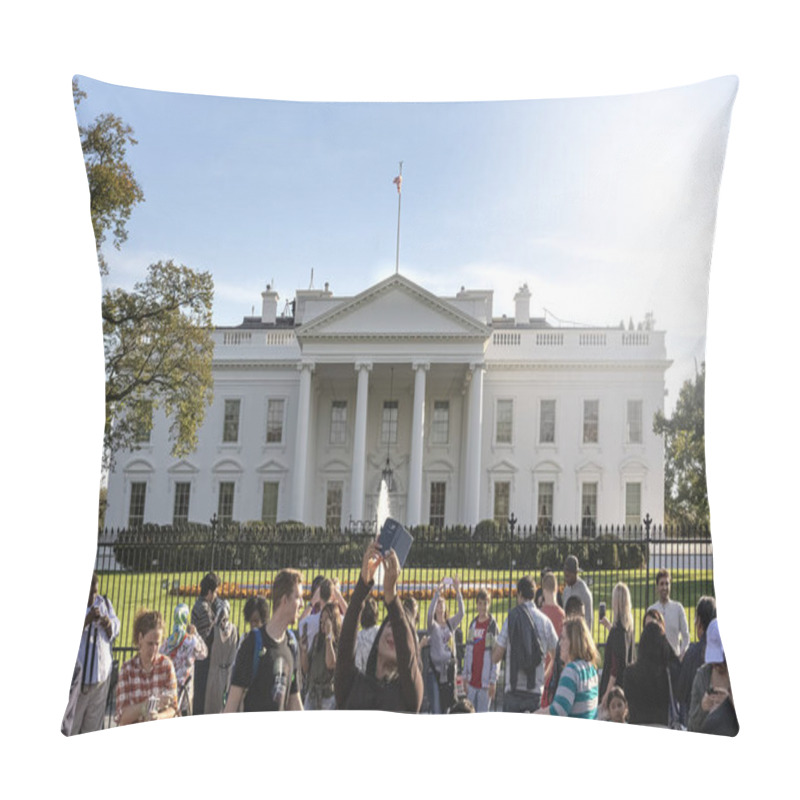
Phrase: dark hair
(483, 594)
(411, 607)
(369, 614)
(463, 706)
(653, 646)
(332, 610)
(574, 606)
(325, 590)
(283, 585)
(526, 587)
(706, 611)
(662, 573)
(256, 605)
(657, 616)
(209, 583)
(616, 693)
(145, 622)
(315, 583)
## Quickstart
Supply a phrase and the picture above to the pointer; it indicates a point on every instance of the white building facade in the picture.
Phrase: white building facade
(478, 418)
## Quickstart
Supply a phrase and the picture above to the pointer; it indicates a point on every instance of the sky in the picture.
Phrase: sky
(605, 207)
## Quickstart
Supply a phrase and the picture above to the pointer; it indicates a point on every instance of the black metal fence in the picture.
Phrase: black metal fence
(159, 567)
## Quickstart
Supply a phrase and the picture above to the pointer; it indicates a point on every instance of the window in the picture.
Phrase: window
(143, 421)
(338, 422)
(230, 428)
(502, 497)
(633, 425)
(544, 517)
(436, 519)
(269, 503)
(180, 509)
(547, 422)
(136, 509)
(333, 505)
(389, 422)
(588, 509)
(591, 421)
(225, 505)
(274, 421)
(633, 503)
(440, 425)
(504, 422)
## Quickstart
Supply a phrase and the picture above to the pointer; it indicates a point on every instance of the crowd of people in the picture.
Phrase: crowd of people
(334, 654)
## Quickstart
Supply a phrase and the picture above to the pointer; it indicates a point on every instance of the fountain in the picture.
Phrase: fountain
(382, 513)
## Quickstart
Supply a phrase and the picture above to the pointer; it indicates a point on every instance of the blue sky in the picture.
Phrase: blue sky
(604, 207)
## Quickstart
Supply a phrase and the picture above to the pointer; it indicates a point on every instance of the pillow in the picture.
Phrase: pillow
(482, 321)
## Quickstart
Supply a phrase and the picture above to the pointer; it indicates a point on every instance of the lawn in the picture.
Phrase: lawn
(130, 591)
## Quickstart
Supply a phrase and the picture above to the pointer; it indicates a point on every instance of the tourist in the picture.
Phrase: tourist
(224, 647)
(576, 695)
(147, 688)
(480, 672)
(441, 629)
(695, 655)
(368, 632)
(576, 587)
(392, 680)
(265, 673)
(617, 705)
(675, 626)
(320, 661)
(100, 628)
(203, 621)
(184, 646)
(619, 649)
(646, 684)
(712, 709)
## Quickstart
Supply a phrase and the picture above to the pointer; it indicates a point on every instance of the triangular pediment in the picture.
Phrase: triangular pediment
(395, 308)
(183, 467)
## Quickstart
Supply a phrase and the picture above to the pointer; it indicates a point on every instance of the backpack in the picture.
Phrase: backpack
(526, 649)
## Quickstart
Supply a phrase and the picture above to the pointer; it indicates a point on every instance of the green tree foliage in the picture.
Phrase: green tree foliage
(685, 490)
(157, 336)
(113, 189)
(158, 352)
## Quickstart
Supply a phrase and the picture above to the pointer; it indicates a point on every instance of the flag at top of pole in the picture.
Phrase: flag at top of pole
(398, 182)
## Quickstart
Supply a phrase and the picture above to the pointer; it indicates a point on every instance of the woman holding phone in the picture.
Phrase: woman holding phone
(619, 650)
(441, 627)
(392, 680)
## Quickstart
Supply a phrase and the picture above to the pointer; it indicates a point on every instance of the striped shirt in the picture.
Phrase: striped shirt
(576, 695)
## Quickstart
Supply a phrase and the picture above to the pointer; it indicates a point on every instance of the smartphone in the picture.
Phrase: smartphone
(447, 581)
(394, 536)
(602, 610)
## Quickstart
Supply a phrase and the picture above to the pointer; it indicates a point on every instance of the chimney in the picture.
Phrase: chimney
(522, 301)
(269, 305)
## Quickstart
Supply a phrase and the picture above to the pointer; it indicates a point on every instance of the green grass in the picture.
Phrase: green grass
(131, 591)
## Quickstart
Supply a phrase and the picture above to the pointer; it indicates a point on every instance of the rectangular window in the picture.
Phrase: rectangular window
(436, 519)
(136, 509)
(274, 421)
(269, 503)
(589, 509)
(333, 505)
(505, 422)
(502, 498)
(547, 422)
(338, 422)
(143, 421)
(544, 518)
(230, 428)
(633, 503)
(389, 422)
(225, 504)
(591, 421)
(440, 426)
(180, 509)
(633, 424)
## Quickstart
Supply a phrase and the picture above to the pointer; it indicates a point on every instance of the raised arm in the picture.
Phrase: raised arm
(432, 607)
(455, 621)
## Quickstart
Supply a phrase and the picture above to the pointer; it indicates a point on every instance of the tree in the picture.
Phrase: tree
(113, 189)
(157, 337)
(158, 352)
(685, 489)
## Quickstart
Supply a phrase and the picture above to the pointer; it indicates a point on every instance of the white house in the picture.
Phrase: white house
(478, 417)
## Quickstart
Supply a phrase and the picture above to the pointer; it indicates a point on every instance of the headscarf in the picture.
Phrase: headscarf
(180, 619)
(223, 617)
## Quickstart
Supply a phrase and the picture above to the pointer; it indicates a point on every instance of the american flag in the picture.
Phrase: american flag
(399, 182)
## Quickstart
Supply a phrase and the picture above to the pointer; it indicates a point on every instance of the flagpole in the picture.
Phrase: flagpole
(399, 181)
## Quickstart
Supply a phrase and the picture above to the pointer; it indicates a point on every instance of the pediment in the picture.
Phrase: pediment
(395, 308)
(503, 466)
(139, 465)
(227, 465)
(272, 466)
(588, 467)
(547, 466)
(633, 465)
(183, 467)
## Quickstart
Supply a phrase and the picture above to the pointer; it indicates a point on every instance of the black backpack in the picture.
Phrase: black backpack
(526, 649)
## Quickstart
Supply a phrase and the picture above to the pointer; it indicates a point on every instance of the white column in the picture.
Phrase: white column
(301, 444)
(472, 477)
(359, 442)
(413, 511)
